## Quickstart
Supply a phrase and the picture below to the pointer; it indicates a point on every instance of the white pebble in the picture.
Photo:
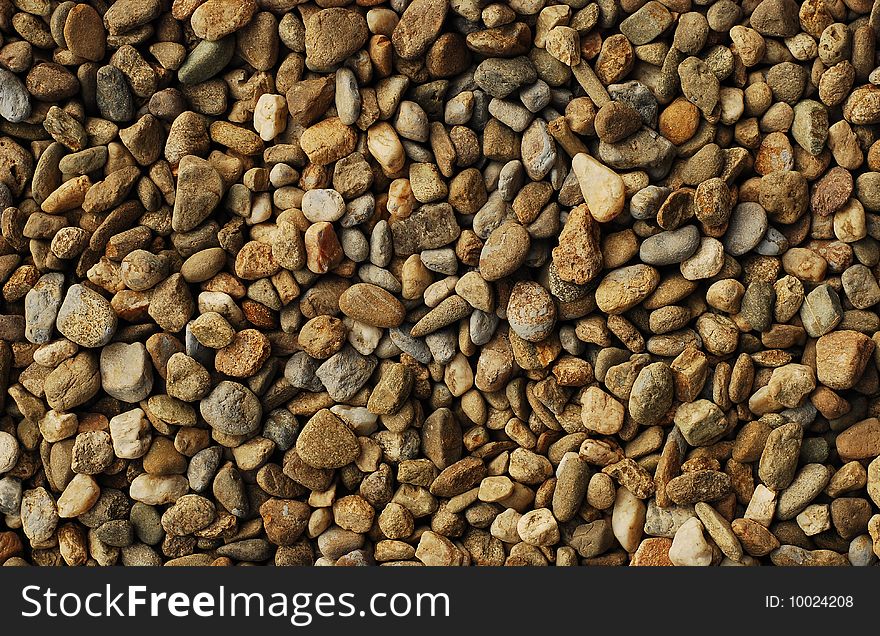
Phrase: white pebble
(689, 546)
(270, 116)
(323, 205)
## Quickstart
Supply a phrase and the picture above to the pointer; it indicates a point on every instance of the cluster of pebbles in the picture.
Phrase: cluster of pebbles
(440, 282)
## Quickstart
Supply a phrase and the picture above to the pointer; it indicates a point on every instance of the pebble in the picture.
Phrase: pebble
(39, 515)
(778, 461)
(603, 189)
(628, 519)
(699, 84)
(232, 409)
(748, 224)
(15, 105)
(841, 358)
(689, 546)
(206, 60)
(720, 530)
(538, 527)
(327, 442)
(626, 287)
(430, 227)
(9, 452)
(199, 189)
(701, 485)
(344, 373)
(499, 77)
(504, 251)
(130, 434)
(216, 19)
(41, 305)
(578, 257)
(706, 261)
(531, 311)
(126, 372)
(670, 247)
(86, 318)
(113, 97)
(821, 311)
(371, 305)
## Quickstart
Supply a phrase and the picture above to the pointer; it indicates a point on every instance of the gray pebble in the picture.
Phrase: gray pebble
(10, 495)
(232, 409)
(15, 105)
(348, 96)
(805, 487)
(538, 150)
(358, 210)
(645, 203)
(482, 326)
(670, 247)
(480, 115)
(774, 243)
(380, 277)
(84, 161)
(814, 450)
(416, 151)
(500, 76)
(664, 522)
(114, 99)
(345, 372)
(647, 23)
(443, 345)
(489, 217)
(514, 116)
(41, 306)
(117, 533)
(282, 428)
(147, 523)
(300, 372)
(645, 149)
(202, 468)
(354, 244)
(510, 180)
(639, 97)
(442, 260)
(821, 311)
(536, 96)
(748, 224)
(804, 414)
(416, 347)
(381, 244)
(652, 393)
